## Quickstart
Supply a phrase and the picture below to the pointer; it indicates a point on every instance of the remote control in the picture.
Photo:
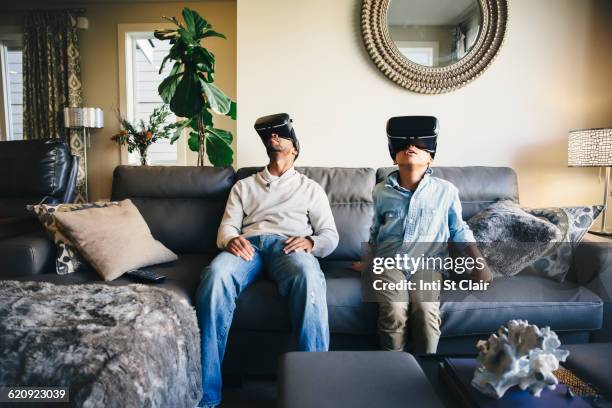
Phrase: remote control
(143, 275)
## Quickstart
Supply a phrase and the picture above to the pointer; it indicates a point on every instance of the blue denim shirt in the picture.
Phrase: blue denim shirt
(432, 213)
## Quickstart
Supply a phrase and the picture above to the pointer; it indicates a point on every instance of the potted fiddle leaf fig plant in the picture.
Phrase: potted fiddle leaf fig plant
(190, 91)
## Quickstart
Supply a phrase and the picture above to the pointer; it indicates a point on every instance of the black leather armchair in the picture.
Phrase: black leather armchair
(31, 172)
(35, 171)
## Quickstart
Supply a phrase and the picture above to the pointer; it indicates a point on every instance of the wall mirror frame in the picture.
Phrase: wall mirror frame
(432, 80)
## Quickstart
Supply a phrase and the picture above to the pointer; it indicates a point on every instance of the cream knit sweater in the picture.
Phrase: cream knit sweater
(289, 205)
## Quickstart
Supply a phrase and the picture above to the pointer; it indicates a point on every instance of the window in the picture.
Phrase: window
(147, 53)
(420, 55)
(422, 52)
(12, 90)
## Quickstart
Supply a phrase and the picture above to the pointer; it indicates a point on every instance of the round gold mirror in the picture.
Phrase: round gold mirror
(433, 46)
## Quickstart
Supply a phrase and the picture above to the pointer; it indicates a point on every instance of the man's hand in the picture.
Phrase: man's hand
(297, 243)
(241, 247)
(356, 266)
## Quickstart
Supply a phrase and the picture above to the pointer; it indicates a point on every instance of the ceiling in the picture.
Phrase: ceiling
(27, 4)
(427, 12)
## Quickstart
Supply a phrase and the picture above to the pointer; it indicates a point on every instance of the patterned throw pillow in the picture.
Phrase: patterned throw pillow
(68, 258)
(573, 223)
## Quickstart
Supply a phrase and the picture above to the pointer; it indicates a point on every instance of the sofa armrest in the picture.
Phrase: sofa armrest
(26, 254)
(593, 265)
(18, 225)
(72, 180)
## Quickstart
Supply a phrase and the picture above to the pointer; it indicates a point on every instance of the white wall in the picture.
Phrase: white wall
(552, 75)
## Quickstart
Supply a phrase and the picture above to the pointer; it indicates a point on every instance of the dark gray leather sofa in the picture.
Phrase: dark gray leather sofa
(183, 207)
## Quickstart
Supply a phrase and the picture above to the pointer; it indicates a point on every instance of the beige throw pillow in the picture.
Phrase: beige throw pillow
(113, 239)
(68, 259)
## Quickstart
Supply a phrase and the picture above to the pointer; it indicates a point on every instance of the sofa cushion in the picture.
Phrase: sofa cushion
(478, 186)
(182, 276)
(349, 191)
(26, 254)
(182, 205)
(564, 306)
(260, 306)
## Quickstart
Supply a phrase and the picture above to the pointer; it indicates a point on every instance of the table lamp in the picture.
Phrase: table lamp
(593, 148)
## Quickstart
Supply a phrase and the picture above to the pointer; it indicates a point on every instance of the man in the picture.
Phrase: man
(277, 220)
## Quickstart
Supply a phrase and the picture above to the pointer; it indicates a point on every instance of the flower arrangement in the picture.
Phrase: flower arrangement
(141, 136)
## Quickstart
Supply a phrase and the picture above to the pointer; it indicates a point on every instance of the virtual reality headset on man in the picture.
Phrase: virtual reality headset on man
(418, 131)
(279, 123)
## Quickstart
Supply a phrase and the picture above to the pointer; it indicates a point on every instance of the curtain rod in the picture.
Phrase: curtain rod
(24, 10)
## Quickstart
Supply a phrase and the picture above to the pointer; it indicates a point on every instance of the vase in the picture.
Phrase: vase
(144, 160)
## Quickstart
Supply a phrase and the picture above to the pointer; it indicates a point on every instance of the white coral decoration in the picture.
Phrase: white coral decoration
(521, 354)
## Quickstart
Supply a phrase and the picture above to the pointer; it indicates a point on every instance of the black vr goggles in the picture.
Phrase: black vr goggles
(281, 124)
(418, 131)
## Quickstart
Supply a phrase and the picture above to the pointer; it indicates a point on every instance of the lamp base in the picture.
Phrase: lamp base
(601, 232)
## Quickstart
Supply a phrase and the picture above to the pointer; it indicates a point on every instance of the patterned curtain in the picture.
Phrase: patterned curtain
(52, 81)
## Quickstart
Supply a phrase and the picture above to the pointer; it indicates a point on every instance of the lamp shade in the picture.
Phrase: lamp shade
(94, 118)
(590, 148)
(73, 118)
(83, 118)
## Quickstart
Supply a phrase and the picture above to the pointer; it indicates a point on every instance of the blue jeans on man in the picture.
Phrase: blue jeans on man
(299, 279)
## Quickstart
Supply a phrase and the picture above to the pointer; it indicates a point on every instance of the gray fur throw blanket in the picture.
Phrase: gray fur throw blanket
(113, 346)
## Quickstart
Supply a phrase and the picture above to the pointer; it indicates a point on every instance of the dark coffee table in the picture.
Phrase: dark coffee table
(590, 362)
(430, 365)
(457, 374)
